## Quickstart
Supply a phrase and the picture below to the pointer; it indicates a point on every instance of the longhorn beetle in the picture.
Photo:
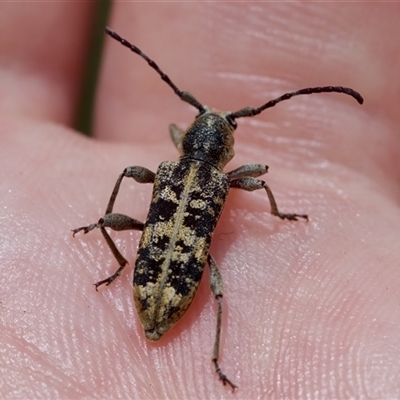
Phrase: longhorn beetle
(187, 201)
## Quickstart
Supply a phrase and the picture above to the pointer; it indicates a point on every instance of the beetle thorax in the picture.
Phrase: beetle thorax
(209, 139)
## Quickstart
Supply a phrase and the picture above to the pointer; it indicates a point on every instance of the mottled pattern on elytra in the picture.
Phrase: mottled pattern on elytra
(188, 198)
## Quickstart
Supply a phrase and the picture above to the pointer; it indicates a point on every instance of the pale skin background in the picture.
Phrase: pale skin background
(310, 310)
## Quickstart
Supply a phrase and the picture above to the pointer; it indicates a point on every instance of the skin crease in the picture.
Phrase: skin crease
(311, 310)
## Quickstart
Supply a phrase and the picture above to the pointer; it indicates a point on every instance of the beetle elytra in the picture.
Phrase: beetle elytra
(187, 201)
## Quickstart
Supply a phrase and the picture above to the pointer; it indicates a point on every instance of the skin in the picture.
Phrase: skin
(310, 309)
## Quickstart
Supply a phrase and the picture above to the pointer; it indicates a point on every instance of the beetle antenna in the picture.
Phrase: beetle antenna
(184, 96)
(252, 111)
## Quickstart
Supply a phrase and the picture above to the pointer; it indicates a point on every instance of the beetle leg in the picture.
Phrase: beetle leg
(247, 170)
(139, 174)
(216, 285)
(249, 183)
(118, 222)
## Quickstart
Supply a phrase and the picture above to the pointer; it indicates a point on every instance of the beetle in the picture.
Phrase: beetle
(187, 201)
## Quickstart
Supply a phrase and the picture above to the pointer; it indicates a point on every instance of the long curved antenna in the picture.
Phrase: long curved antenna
(185, 96)
(252, 111)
